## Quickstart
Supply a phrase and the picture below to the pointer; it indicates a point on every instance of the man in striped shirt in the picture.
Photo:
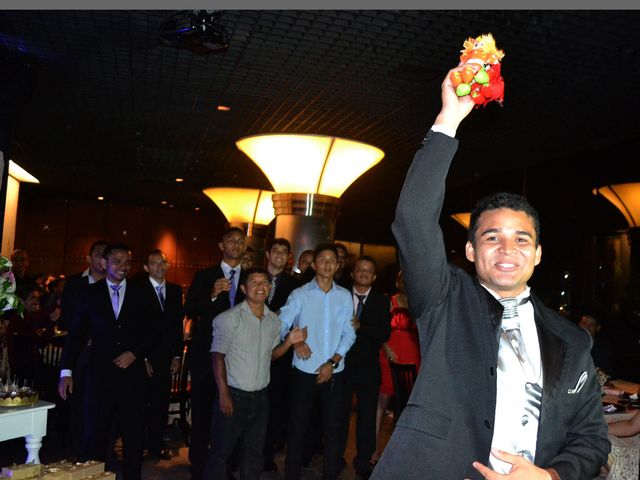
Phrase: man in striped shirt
(245, 340)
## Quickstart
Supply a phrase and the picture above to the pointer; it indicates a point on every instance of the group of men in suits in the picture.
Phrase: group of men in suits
(217, 289)
(124, 340)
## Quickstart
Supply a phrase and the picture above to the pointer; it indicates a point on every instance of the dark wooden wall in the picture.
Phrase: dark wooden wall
(57, 233)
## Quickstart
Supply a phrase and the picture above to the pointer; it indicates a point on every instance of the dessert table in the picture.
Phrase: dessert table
(28, 422)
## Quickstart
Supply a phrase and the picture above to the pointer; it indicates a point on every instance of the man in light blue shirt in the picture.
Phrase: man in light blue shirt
(326, 311)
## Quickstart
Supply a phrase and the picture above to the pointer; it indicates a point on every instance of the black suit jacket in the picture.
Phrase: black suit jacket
(363, 358)
(448, 422)
(74, 288)
(199, 307)
(167, 323)
(285, 284)
(94, 318)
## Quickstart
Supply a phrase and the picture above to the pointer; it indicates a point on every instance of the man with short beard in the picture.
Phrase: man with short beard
(110, 313)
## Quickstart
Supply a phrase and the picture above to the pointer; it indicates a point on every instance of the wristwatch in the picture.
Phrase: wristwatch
(332, 363)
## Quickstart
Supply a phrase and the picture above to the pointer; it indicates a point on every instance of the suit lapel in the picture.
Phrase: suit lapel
(494, 310)
(106, 299)
(153, 297)
(553, 352)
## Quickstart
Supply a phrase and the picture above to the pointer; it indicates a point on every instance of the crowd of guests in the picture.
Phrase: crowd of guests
(277, 355)
(283, 358)
(24, 333)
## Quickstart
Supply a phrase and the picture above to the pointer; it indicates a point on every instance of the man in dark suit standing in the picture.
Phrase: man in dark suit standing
(212, 291)
(372, 323)
(282, 284)
(76, 285)
(110, 314)
(507, 389)
(162, 303)
(74, 288)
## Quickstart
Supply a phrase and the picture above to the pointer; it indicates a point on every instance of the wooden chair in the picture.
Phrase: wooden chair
(49, 369)
(403, 376)
(181, 393)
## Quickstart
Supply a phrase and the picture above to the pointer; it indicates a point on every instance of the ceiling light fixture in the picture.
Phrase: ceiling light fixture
(463, 218)
(309, 174)
(626, 198)
(310, 163)
(20, 174)
(243, 205)
(249, 209)
(17, 175)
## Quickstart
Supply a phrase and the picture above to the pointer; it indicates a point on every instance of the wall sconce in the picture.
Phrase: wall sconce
(309, 173)
(17, 175)
(626, 198)
(463, 218)
(248, 208)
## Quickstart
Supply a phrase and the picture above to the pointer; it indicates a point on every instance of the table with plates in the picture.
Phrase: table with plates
(29, 422)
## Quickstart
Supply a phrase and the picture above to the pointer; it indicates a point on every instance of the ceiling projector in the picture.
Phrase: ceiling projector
(196, 31)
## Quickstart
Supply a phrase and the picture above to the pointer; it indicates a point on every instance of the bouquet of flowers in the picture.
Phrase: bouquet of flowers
(8, 298)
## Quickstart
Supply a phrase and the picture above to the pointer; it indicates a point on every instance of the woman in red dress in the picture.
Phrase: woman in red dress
(403, 346)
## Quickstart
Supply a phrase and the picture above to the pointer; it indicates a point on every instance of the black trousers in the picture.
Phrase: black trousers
(202, 397)
(279, 397)
(115, 400)
(246, 426)
(76, 403)
(304, 390)
(159, 389)
(366, 386)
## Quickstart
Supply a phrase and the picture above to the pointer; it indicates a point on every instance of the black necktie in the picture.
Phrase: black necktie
(360, 305)
(232, 291)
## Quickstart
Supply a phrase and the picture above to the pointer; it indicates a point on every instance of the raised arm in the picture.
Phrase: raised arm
(416, 225)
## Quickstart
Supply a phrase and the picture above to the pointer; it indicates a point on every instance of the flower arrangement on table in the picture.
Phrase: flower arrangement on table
(8, 298)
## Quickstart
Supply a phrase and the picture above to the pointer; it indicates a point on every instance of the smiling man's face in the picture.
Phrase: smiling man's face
(505, 250)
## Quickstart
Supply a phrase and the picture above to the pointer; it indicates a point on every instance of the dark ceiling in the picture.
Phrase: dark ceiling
(102, 107)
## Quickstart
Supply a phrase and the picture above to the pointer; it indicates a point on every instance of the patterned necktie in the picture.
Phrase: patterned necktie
(160, 296)
(360, 305)
(512, 347)
(511, 329)
(115, 299)
(232, 291)
(272, 292)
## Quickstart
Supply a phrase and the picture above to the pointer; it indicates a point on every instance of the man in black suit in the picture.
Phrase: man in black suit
(162, 303)
(372, 323)
(343, 275)
(74, 288)
(505, 381)
(110, 314)
(212, 291)
(76, 285)
(282, 284)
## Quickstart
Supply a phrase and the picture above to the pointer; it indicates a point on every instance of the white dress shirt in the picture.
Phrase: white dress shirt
(508, 432)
